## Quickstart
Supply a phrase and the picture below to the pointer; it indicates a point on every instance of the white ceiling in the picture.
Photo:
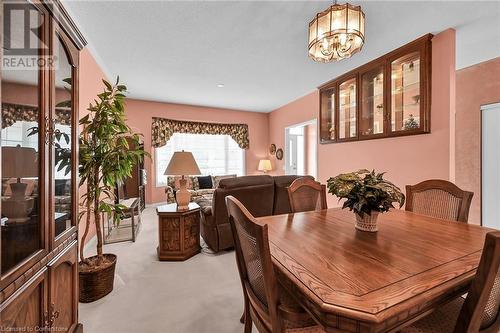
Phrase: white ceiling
(178, 51)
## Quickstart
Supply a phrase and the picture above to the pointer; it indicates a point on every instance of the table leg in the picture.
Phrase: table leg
(133, 224)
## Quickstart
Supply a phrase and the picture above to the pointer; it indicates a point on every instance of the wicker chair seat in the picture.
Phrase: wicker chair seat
(442, 320)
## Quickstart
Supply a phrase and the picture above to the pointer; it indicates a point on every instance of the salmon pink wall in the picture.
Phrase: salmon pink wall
(407, 160)
(24, 94)
(140, 114)
(90, 84)
(476, 85)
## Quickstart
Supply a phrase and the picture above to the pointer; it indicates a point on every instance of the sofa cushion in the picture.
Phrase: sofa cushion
(205, 205)
(205, 182)
(245, 181)
(256, 193)
(217, 179)
(207, 191)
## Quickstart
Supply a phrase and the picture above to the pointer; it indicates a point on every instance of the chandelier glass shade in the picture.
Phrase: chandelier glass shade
(336, 33)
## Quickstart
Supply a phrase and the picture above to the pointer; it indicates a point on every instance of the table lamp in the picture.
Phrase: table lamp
(18, 162)
(265, 166)
(181, 164)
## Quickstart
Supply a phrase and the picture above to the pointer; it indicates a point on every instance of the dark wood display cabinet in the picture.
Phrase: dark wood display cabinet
(389, 96)
(39, 170)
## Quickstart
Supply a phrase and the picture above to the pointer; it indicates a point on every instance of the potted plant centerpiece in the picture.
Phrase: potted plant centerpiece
(106, 159)
(367, 194)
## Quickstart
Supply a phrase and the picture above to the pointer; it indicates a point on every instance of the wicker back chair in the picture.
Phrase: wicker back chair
(263, 299)
(439, 198)
(480, 310)
(305, 194)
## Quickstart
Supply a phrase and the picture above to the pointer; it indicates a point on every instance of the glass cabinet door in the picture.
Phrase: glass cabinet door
(347, 110)
(371, 121)
(387, 97)
(405, 93)
(22, 151)
(328, 115)
(62, 140)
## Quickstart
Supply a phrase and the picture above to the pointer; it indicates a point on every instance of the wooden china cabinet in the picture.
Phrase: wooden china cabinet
(389, 96)
(39, 170)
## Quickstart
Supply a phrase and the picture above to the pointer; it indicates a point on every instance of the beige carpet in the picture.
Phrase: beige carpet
(202, 294)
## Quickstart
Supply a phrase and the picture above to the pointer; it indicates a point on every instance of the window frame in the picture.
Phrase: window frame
(159, 184)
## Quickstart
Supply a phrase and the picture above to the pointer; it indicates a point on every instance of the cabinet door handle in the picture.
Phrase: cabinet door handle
(50, 317)
(47, 130)
(50, 130)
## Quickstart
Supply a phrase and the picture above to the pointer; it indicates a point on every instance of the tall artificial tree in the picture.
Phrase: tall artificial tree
(108, 153)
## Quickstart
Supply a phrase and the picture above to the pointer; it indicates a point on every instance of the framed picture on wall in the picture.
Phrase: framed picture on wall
(279, 154)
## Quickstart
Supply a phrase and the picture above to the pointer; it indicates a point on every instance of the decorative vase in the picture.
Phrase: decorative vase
(98, 282)
(367, 222)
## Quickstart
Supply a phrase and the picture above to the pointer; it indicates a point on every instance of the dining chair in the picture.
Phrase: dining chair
(479, 312)
(267, 304)
(306, 194)
(439, 198)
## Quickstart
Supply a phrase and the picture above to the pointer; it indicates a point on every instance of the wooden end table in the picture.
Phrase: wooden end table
(178, 232)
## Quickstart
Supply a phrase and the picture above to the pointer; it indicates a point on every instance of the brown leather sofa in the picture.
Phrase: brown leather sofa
(262, 195)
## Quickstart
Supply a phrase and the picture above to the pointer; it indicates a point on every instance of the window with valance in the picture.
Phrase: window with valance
(162, 130)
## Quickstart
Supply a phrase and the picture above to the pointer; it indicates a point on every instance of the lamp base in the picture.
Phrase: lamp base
(18, 190)
(182, 196)
(16, 209)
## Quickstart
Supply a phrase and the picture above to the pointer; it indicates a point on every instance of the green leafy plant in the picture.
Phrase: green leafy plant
(411, 123)
(106, 159)
(365, 191)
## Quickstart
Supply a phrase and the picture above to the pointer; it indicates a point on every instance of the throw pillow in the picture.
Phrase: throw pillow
(61, 187)
(205, 182)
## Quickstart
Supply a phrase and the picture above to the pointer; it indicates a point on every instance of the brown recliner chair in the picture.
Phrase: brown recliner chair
(261, 195)
(255, 192)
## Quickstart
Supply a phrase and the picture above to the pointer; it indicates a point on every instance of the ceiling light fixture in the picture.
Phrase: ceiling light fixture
(220, 85)
(336, 33)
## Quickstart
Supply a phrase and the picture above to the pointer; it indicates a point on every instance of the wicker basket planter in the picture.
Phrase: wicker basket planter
(367, 222)
(97, 283)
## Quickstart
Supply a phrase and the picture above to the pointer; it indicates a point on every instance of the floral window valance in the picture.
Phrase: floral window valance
(163, 129)
(17, 112)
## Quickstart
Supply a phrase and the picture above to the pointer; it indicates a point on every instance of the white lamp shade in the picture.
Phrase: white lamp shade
(19, 162)
(182, 163)
(265, 165)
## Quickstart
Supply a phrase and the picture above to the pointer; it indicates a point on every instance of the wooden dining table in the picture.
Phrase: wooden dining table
(355, 281)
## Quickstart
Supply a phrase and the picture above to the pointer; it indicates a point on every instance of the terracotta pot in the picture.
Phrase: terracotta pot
(367, 222)
(98, 282)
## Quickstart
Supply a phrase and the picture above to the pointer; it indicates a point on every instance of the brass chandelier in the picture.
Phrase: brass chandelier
(336, 33)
